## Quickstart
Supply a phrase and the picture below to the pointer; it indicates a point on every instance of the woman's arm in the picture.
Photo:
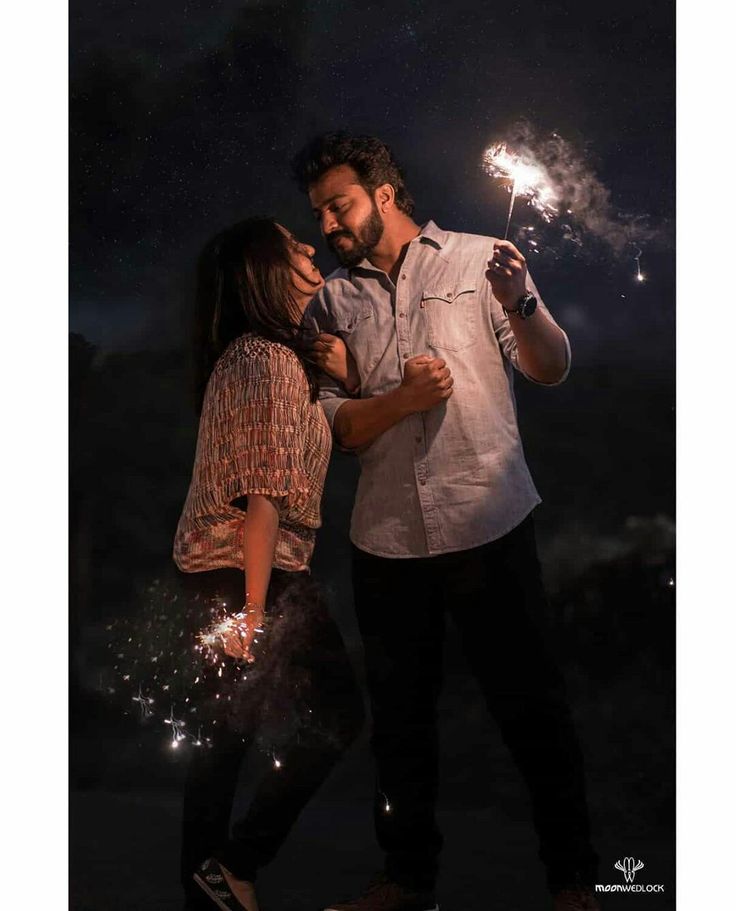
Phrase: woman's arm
(260, 530)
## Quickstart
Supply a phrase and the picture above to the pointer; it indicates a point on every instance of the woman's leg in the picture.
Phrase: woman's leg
(211, 780)
(212, 773)
(311, 652)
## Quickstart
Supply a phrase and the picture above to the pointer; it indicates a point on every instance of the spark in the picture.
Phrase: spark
(528, 179)
(145, 703)
(640, 277)
(177, 734)
(387, 808)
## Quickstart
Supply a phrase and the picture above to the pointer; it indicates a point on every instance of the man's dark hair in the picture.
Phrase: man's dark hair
(244, 284)
(372, 160)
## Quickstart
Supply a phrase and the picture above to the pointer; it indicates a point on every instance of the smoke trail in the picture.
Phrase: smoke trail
(586, 208)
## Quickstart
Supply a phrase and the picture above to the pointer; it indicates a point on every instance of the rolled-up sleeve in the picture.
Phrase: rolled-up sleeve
(259, 445)
(507, 339)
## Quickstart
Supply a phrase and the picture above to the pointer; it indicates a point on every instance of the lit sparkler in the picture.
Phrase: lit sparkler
(215, 636)
(528, 179)
(170, 654)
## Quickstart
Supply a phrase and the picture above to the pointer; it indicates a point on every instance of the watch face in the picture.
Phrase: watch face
(528, 305)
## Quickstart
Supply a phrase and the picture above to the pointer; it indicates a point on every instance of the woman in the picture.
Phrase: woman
(247, 532)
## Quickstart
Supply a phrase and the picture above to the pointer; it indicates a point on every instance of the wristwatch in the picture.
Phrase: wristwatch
(525, 306)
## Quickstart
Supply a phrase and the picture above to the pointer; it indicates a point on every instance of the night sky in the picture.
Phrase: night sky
(184, 118)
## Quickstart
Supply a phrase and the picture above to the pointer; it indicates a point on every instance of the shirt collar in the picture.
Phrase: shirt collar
(430, 235)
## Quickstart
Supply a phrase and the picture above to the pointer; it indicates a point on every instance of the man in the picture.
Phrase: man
(435, 322)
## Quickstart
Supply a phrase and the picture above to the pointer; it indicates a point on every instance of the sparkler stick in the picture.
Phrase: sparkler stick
(511, 209)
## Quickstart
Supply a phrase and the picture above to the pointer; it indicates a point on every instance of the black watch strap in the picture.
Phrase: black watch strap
(525, 306)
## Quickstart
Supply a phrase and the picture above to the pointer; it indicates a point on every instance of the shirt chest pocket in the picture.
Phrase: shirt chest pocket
(358, 331)
(452, 315)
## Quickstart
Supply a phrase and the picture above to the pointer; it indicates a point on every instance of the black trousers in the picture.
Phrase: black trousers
(312, 653)
(491, 593)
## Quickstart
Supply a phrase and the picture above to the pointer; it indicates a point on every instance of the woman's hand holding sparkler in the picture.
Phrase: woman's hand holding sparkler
(235, 635)
(507, 274)
(241, 632)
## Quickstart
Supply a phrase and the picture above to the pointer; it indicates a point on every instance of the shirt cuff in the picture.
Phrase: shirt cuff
(331, 406)
(566, 372)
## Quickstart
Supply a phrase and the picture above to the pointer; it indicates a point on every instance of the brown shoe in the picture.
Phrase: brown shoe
(576, 898)
(384, 895)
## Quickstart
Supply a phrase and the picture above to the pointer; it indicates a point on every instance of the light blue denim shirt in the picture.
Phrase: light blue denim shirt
(454, 477)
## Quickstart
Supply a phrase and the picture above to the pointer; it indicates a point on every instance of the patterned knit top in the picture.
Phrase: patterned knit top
(258, 434)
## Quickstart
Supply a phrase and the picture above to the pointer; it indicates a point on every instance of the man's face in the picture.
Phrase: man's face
(347, 213)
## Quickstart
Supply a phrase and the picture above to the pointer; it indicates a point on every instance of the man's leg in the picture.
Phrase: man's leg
(496, 597)
(402, 625)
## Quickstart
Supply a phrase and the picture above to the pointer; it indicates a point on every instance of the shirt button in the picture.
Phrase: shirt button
(404, 276)
(422, 482)
(406, 357)
(402, 315)
(449, 295)
(418, 439)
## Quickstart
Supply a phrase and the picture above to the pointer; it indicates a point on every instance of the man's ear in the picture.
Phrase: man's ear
(385, 197)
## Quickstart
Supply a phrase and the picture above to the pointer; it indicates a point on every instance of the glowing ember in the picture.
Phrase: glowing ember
(640, 277)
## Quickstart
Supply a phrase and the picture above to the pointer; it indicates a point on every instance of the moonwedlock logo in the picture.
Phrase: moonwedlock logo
(629, 867)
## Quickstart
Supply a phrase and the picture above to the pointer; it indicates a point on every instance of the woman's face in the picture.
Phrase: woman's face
(306, 278)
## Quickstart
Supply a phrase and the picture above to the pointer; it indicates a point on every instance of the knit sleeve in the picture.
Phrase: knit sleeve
(257, 422)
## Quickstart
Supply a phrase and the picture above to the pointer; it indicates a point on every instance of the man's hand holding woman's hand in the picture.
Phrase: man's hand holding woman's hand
(427, 381)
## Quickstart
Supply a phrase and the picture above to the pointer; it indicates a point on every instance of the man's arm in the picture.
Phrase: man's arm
(426, 383)
(541, 346)
(542, 349)
(356, 423)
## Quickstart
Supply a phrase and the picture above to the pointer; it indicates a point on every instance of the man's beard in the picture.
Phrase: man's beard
(369, 233)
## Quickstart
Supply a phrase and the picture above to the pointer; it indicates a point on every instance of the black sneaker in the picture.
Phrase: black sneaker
(210, 879)
(384, 895)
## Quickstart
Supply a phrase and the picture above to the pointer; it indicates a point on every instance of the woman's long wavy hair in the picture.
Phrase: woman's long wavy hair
(244, 284)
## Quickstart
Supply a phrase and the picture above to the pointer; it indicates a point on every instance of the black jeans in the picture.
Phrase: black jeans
(491, 593)
(312, 653)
